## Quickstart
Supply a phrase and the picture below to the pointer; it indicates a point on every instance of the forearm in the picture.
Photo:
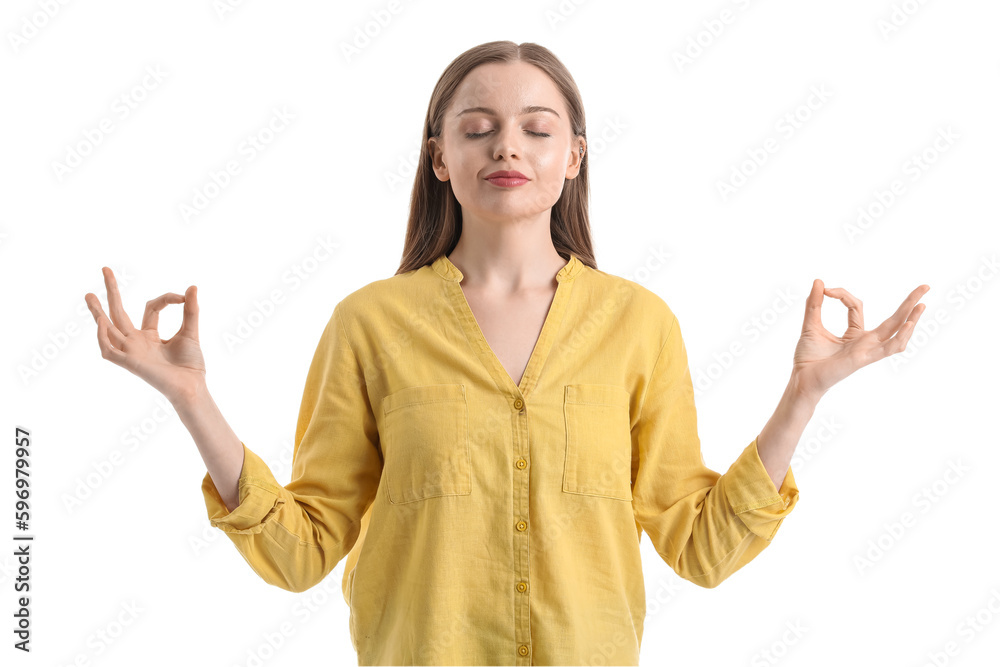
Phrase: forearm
(780, 436)
(220, 448)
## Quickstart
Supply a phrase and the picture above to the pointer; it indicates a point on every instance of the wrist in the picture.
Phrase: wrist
(802, 392)
(191, 397)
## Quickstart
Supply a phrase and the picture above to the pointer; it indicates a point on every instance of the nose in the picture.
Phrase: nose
(505, 146)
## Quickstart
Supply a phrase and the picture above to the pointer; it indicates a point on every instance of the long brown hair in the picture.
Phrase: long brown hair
(435, 221)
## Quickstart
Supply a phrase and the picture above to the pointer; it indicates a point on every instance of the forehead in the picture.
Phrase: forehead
(507, 87)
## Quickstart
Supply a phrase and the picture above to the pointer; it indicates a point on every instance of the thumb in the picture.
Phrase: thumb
(814, 303)
(189, 326)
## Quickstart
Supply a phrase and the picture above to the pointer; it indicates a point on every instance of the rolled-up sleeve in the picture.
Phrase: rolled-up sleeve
(259, 498)
(292, 536)
(704, 525)
(752, 495)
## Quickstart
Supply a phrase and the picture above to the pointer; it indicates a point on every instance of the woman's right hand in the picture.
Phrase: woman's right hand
(175, 367)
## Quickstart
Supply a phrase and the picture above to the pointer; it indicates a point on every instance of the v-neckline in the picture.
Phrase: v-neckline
(553, 319)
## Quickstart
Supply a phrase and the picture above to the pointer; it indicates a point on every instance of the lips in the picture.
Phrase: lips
(507, 174)
(507, 179)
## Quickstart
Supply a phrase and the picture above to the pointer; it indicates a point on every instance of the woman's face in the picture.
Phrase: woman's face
(506, 116)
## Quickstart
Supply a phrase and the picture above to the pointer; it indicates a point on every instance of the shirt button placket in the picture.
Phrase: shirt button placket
(522, 631)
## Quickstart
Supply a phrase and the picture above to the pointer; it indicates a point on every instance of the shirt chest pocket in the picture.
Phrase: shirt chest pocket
(598, 441)
(426, 443)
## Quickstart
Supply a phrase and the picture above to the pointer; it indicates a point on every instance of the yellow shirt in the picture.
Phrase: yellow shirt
(486, 522)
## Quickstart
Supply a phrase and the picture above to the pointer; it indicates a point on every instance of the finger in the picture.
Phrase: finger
(855, 314)
(898, 342)
(98, 312)
(885, 330)
(151, 317)
(118, 315)
(814, 304)
(189, 325)
(93, 305)
(108, 351)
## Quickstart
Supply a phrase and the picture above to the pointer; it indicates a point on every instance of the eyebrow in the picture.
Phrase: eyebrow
(525, 110)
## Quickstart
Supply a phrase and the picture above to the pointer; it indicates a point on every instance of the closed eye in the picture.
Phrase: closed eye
(476, 135)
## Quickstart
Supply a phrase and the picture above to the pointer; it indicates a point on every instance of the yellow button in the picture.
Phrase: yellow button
(518, 403)
(521, 587)
(522, 649)
(522, 525)
(521, 463)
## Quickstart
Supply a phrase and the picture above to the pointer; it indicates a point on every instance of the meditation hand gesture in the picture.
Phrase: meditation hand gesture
(823, 359)
(175, 367)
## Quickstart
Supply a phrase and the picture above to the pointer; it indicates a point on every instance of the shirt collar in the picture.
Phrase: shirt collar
(444, 268)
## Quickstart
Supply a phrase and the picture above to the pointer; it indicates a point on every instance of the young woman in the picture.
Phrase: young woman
(486, 434)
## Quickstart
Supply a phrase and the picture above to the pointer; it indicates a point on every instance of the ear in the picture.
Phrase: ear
(576, 158)
(437, 159)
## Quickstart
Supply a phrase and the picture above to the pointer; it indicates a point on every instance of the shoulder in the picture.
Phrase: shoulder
(636, 306)
(385, 300)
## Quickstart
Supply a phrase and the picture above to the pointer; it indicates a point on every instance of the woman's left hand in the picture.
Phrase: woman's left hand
(822, 359)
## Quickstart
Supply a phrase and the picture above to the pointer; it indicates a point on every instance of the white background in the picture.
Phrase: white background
(663, 135)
